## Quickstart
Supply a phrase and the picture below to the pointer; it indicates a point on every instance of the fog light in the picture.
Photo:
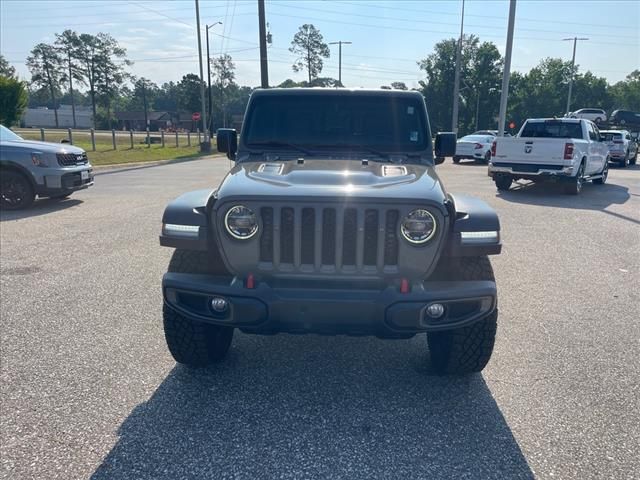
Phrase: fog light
(219, 304)
(435, 310)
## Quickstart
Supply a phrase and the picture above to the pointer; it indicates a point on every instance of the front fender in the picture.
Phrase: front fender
(185, 222)
(471, 234)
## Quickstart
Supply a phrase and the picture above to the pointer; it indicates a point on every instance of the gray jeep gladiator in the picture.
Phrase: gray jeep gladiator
(29, 168)
(332, 221)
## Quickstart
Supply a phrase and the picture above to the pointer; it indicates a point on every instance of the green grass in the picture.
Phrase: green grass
(106, 155)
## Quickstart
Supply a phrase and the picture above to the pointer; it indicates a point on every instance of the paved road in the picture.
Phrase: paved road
(89, 390)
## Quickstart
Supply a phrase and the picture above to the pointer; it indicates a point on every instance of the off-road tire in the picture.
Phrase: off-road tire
(468, 349)
(16, 191)
(194, 344)
(503, 182)
(574, 185)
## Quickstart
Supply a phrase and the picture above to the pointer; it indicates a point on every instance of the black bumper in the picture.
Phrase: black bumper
(384, 312)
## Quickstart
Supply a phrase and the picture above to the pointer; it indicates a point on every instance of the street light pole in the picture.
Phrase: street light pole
(504, 95)
(340, 43)
(456, 82)
(205, 146)
(573, 64)
(209, 75)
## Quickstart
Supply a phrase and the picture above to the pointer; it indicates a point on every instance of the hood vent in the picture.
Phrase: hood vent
(393, 170)
(271, 168)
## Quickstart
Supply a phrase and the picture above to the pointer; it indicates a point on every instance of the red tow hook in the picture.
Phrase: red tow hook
(404, 286)
(251, 281)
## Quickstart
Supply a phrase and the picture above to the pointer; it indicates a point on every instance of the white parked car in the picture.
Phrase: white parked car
(622, 148)
(596, 115)
(564, 150)
(476, 147)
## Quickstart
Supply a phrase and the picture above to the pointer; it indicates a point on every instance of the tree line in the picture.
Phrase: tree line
(92, 70)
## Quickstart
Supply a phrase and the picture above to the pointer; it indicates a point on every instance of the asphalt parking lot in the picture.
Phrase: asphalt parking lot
(89, 390)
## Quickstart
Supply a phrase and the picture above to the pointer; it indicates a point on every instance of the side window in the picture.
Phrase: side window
(592, 134)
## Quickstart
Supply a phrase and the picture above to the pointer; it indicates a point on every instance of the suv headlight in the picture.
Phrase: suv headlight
(418, 227)
(241, 222)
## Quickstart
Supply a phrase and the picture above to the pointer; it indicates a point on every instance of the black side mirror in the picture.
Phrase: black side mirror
(227, 142)
(445, 146)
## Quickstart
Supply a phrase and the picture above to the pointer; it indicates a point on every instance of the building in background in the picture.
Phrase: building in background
(43, 117)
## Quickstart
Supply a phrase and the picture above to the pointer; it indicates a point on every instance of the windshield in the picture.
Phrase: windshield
(7, 135)
(608, 136)
(381, 122)
(552, 129)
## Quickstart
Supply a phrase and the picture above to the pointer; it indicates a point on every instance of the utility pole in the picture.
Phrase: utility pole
(573, 64)
(73, 100)
(209, 75)
(264, 67)
(340, 43)
(502, 118)
(144, 102)
(456, 82)
(205, 146)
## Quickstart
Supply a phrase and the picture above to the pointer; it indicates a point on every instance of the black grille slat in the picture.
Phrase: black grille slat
(328, 236)
(72, 159)
(391, 238)
(308, 236)
(349, 233)
(370, 237)
(266, 239)
(286, 235)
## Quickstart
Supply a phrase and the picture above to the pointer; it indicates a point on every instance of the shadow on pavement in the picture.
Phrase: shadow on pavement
(316, 407)
(39, 207)
(592, 197)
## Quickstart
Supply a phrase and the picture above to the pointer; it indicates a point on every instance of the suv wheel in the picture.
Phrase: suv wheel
(194, 344)
(503, 182)
(456, 159)
(15, 191)
(598, 120)
(625, 162)
(574, 187)
(467, 349)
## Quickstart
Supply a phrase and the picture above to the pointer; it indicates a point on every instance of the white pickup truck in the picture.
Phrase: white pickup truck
(547, 149)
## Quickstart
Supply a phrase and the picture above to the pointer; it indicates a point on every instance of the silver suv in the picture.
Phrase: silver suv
(29, 168)
(596, 115)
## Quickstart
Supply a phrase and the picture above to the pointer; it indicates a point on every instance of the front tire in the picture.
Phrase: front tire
(195, 344)
(16, 191)
(468, 349)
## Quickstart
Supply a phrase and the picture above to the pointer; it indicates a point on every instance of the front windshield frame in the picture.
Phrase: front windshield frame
(347, 138)
(7, 135)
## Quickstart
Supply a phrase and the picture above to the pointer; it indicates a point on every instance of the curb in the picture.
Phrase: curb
(123, 167)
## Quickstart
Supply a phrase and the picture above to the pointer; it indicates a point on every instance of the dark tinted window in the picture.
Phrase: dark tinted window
(552, 129)
(383, 122)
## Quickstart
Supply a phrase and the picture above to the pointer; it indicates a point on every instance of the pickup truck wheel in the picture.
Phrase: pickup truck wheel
(604, 173)
(15, 191)
(195, 344)
(468, 349)
(456, 159)
(574, 187)
(503, 182)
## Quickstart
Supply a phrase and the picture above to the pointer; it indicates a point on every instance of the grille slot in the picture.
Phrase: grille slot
(329, 239)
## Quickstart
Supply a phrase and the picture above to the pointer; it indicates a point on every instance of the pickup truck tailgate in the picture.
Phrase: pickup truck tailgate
(534, 151)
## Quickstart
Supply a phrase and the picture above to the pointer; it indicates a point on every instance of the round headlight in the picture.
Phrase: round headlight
(419, 226)
(241, 222)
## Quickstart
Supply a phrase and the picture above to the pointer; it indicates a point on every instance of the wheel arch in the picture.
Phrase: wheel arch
(15, 167)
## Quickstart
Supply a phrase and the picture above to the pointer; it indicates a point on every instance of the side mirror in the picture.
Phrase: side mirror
(227, 142)
(445, 146)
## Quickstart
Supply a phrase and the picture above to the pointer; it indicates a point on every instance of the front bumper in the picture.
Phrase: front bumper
(326, 308)
(59, 182)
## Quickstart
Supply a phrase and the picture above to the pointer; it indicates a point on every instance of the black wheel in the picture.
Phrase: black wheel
(195, 344)
(625, 162)
(598, 120)
(15, 191)
(634, 160)
(604, 173)
(503, 182)
(467, 349)
(487, 157)
(456, 159)
(574, 185)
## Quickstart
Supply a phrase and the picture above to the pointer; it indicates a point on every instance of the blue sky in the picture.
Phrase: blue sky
(388, 36)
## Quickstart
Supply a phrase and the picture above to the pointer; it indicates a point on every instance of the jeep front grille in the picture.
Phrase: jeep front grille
(329, 239)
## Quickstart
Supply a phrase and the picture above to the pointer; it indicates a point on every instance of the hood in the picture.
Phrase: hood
(332, 179)
(44, 147)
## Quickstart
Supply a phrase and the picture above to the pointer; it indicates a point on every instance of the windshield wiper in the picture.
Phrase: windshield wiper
(275, 143)
(355, 148)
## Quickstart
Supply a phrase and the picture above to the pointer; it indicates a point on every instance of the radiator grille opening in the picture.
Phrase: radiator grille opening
(350, 232)
(370, 237)
(286, 235)
(391, 238)
(308, 236)
(266, 239)
(328, 236)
